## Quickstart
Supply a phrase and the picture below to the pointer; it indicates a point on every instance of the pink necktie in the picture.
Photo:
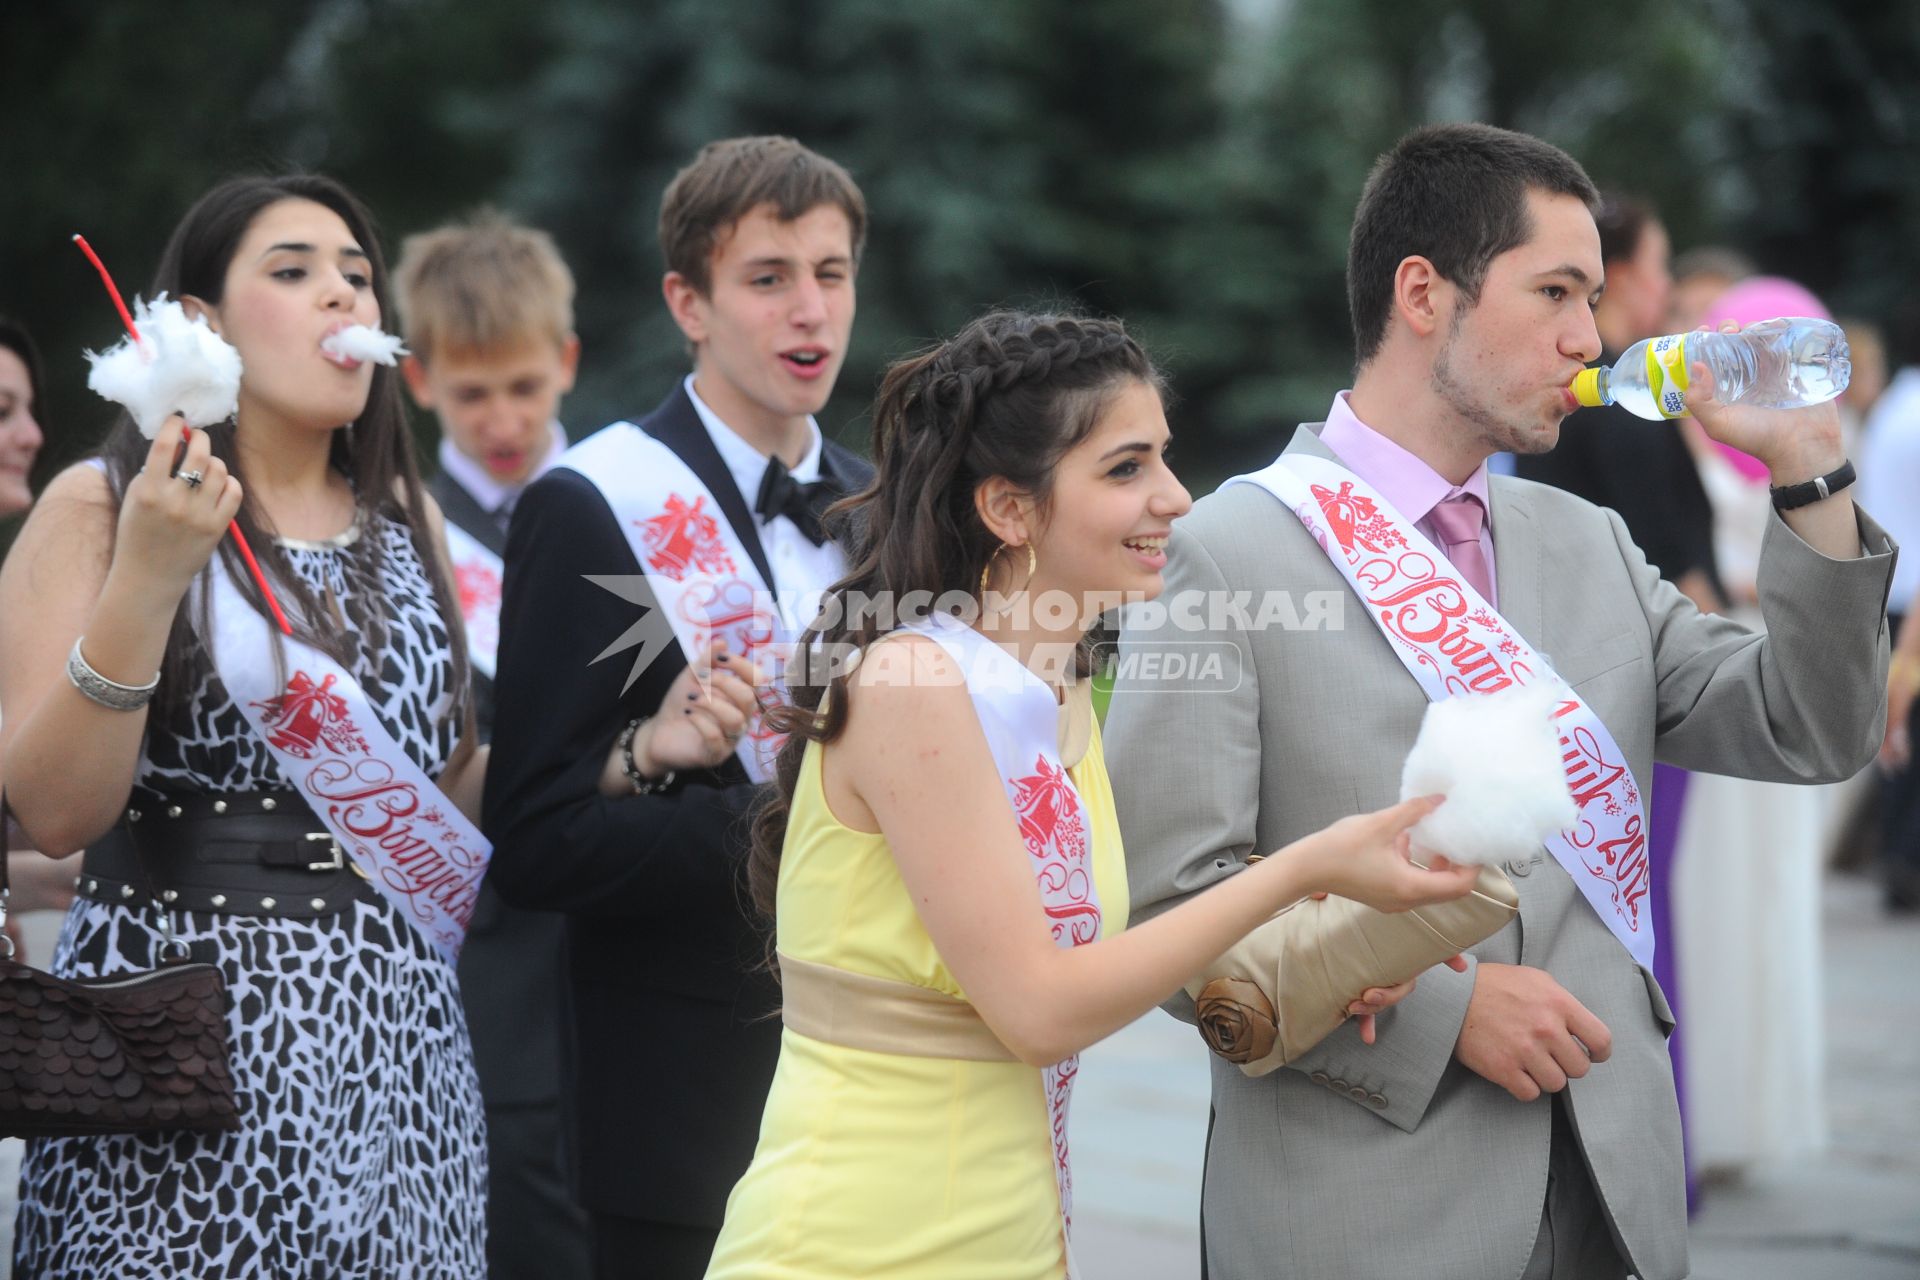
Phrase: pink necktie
(1458, 521)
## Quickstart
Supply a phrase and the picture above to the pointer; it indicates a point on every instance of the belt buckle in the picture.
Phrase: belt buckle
(336, 860)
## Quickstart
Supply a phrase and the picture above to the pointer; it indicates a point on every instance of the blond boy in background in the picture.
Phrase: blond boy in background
(487, 308)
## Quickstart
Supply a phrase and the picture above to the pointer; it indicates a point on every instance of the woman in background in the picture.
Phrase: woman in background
(1747, 876)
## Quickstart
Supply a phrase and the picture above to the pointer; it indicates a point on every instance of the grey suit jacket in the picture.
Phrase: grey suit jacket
(1394, 1160)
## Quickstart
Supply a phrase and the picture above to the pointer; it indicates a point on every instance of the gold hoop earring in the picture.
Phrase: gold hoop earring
(1033, 563)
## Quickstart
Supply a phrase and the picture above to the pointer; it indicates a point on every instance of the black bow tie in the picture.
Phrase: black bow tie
(804, 504)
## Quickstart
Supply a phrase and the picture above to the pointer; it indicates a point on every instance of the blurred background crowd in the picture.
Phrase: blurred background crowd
(1190, 165)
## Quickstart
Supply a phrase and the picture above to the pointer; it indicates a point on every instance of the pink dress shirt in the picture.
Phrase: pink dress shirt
(1413, 487)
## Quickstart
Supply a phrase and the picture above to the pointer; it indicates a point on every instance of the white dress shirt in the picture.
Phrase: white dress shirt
(801, 570)
(496, 498)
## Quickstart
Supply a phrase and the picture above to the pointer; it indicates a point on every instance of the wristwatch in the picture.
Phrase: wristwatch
(1788, 496)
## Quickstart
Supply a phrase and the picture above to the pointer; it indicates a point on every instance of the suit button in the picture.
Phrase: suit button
(1522, 867)
(1318, 1077)
(1377, 1101)
(1338, 1086)
(1357, 1094)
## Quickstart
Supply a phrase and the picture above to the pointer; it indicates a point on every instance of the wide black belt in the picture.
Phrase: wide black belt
(256, 853)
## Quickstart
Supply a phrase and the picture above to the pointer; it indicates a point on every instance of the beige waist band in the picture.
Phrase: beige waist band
(859, 1011)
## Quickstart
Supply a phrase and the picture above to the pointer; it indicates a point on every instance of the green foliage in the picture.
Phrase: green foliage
(1825, 143)
(1188, 164)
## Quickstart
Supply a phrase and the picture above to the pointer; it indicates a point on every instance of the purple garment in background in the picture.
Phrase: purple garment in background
(1663, 817)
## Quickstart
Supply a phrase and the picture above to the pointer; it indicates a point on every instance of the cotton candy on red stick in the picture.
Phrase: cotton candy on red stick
(182, 366)
(176, 365)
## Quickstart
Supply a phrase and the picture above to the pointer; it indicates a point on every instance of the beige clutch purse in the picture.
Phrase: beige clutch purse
(1284, 987)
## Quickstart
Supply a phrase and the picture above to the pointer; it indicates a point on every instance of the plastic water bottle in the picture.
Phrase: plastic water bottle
(1776, 364)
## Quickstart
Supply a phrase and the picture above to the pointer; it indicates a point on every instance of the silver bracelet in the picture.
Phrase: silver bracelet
(108, 693)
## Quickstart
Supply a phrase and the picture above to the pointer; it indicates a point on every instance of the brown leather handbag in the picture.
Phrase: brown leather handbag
(131, 1053)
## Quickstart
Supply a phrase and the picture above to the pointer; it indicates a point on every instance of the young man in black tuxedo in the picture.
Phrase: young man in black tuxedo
(617, 792)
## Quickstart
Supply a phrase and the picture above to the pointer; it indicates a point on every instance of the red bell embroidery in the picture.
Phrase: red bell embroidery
(684, 539)
(308, 717)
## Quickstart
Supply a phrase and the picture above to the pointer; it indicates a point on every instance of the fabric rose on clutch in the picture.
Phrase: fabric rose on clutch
(1236, 1019)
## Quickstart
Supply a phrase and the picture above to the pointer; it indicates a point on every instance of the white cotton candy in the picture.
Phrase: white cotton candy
(179, 366)
(1496, 757)
(358, 342)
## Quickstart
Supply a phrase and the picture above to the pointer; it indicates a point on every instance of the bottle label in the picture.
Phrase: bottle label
(1667, 374)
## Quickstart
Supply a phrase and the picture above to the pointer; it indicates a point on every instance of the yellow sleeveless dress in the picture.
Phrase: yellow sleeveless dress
(879, 1164)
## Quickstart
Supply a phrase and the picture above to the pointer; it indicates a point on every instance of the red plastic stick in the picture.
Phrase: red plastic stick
(239, 538)
(126, 317)
(246, 553)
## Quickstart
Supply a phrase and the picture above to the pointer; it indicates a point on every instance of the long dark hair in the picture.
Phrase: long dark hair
(15, 338)
(375, 453)
(1007, 396)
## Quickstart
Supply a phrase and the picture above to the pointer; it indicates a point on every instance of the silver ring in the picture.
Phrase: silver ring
(192, 479)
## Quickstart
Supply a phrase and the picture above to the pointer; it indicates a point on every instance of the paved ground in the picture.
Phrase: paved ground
(1140, 1114)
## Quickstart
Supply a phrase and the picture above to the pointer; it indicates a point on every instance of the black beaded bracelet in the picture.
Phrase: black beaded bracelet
(1788, 496)
(642, 785)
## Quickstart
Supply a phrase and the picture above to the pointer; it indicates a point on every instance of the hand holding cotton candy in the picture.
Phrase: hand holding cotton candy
(176, 365)
(1496, 757)
(359, 342)
(130, 385)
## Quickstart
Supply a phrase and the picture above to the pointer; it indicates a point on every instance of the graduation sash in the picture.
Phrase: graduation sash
(383, 811)
(1453, 643)
(1021, 720)
(477, 575)
(696, 565)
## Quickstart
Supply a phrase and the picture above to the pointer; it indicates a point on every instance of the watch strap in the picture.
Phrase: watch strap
(1788, 496)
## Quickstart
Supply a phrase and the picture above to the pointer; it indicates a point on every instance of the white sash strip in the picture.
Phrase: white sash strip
(695, 563)
(1450, 640)
(396, 824)
(1021, 719)
(477, 575)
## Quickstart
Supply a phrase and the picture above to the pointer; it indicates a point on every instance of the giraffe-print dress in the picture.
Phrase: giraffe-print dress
(362, 1150)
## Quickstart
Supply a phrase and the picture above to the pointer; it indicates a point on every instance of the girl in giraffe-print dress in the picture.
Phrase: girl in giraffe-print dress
(361, 1150)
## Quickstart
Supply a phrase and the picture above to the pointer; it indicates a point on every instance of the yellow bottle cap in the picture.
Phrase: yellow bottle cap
(1586, 388)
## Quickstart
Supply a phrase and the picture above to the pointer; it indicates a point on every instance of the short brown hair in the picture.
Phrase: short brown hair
(1455, 194)
(730, 179)
(484, 284)
(1623, 221)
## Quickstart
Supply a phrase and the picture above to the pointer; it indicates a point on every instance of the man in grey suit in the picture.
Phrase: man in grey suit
(1516, 1119)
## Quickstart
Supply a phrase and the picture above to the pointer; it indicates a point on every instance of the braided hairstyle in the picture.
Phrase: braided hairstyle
(1007, 396)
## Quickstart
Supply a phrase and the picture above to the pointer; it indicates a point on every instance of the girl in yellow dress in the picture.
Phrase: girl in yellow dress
(942, 860)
